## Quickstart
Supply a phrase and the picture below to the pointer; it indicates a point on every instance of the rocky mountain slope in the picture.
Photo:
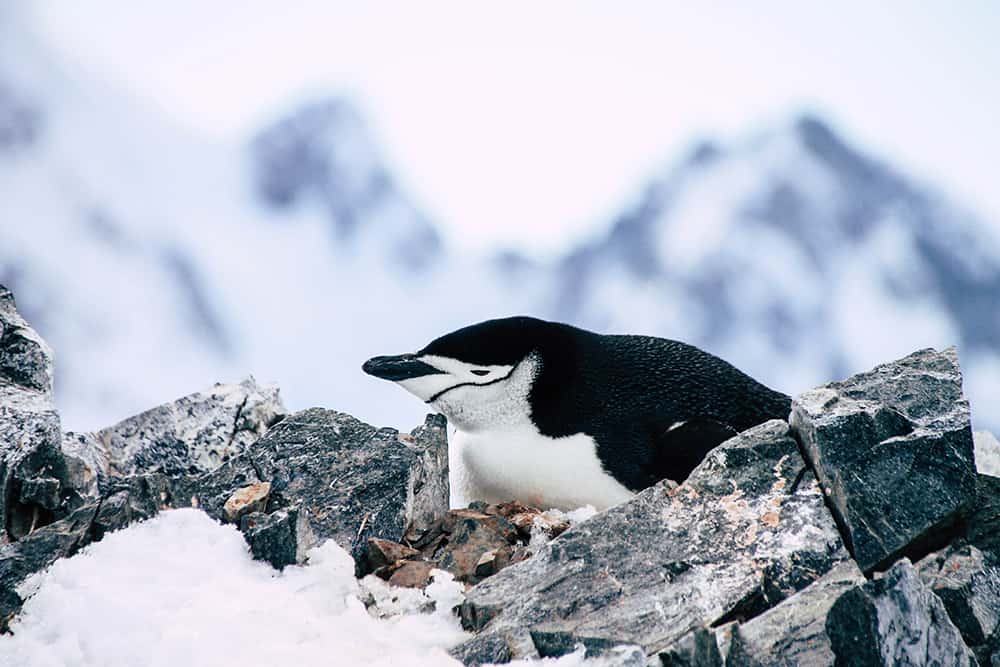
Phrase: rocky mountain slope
(155, 261)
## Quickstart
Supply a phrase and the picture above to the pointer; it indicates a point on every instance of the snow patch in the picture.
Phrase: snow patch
(182, 589)
(987, 449)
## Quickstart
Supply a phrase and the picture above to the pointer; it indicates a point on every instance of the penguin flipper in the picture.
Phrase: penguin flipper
(680, 447)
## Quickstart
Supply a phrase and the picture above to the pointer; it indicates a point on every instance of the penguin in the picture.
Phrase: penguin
(556, 416)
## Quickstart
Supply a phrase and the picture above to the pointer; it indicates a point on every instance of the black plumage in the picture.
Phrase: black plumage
(654, 406)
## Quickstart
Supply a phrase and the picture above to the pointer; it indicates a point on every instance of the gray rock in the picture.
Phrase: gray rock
(969, 586)
(280, 538)
(495, 648)
(697, 648)
(34, 488)
(894, 620)
(87, 464)
(748, 528)
(893, 451)
(793, 632)
(37, 551)
(350, 480)
(356, 481)
(25, 359)
(193, 434)
(982, 518)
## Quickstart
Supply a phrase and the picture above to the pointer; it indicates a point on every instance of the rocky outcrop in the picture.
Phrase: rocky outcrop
(193, 434)
(327, 476)
(893, 451)
(748, 528)
(760, 557)
(35, 485)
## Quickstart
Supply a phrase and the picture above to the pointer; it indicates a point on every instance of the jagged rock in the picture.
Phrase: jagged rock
(697, 648)
(350, 480)
(87, 464)
(411, 574)
(280, 538)
(34, 480)
(25, 359)
(893, 451)
(793, 632)
(37, 551)
(193, 434)
(245, 500)
(894, 620)
(495, 647)
(381, 553)
(478, 545)
(748, 528)
(969, 587)
(982, 518)
(356, 481)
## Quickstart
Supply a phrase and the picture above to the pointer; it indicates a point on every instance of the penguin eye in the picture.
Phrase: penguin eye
(480, 371)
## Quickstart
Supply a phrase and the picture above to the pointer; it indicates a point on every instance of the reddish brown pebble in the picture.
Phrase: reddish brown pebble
(412, 574)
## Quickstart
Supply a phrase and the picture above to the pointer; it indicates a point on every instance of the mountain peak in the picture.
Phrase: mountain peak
(323, 153)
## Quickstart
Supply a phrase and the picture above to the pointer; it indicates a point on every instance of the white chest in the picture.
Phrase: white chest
(520, 463)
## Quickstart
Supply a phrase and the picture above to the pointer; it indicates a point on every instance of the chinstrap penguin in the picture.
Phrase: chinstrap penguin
(557, 416)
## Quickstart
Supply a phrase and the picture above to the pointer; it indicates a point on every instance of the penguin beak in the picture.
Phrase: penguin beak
(400, 367)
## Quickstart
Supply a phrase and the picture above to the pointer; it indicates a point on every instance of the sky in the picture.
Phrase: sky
(531, 124)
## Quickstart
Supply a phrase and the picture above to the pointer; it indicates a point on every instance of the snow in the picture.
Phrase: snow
(987, 449)
(182, 589)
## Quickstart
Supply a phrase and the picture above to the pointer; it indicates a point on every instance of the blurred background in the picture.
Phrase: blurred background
(191, 192)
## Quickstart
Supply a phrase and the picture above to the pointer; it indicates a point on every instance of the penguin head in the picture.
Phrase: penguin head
(480, 377)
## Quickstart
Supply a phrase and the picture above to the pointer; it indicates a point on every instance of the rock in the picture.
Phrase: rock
(698, 648)
(491, 647)
(893, 451)
(411, 574)
(34, 480)
(748, 528)
(969, 587)
(485, 649)
(37, 551)
(894, 620)
(25, 359)
(280, 538)
(356, 481)
(193, 434)
(478, 545)
(982, 518)
(250, 498)
(350, 480)
(383, 553)
(793, 632)
(87, 464)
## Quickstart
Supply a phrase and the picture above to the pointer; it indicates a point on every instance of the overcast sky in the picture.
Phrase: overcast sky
(530, 122)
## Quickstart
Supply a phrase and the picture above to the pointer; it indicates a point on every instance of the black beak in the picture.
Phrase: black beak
(401, 367)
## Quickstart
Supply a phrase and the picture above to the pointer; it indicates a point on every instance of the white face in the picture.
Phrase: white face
(475, 397)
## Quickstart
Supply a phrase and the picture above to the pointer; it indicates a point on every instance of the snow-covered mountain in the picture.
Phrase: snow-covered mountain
(156, 262)
(799, 258)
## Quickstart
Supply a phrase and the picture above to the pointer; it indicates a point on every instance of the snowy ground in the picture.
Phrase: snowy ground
(182, 589)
